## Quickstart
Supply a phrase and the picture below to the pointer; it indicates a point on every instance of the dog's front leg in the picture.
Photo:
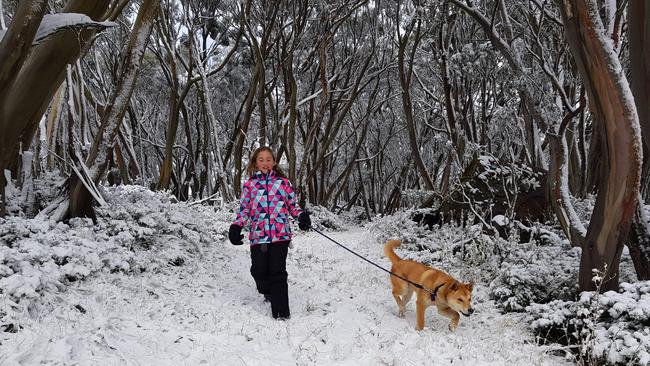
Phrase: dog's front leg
(419, 313)
(452, 315)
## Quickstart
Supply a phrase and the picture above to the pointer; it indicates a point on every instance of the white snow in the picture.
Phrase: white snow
(53, 23)
(207, 310)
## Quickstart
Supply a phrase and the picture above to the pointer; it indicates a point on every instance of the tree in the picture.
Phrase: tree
(81, 192)
(405, 66)
(639, 36)
(13, 51)
(33, 72)
(39, 77)
(614, 111)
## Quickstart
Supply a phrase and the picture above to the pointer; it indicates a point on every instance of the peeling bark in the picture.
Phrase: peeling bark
(613, 110)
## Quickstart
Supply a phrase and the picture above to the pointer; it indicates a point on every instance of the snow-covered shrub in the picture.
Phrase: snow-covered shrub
(12, 196)
(611, 328)
(46, 188)
(540, 234)
(466, 252)
(476, 248)
(38, 193)
(38, 256)
(355, 215)
(413, 197)
(541, 270)
(533, 273)
(584, 207)
(321, 216)
(489, 187)
(137, 231)
(398, 226)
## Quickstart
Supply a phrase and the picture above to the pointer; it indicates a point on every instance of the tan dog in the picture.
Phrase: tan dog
(451, 296)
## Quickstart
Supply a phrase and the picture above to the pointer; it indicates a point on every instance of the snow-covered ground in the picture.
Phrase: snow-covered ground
(207, 312)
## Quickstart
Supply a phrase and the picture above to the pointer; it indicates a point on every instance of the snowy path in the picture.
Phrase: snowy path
(208, 313)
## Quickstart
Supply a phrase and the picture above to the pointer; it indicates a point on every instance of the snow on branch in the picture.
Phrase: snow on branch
(53, 23)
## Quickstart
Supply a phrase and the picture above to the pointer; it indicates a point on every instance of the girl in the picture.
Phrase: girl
(267, 199)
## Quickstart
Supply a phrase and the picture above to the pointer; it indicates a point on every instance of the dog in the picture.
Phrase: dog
(450, 296)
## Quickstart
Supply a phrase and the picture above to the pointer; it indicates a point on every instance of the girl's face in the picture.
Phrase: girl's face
(264, 161)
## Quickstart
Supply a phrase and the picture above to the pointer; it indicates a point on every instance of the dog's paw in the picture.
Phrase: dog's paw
(453, 326)
(400, 314)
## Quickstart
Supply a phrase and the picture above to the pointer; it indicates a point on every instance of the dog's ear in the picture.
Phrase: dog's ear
(454, 286)
(470, 285)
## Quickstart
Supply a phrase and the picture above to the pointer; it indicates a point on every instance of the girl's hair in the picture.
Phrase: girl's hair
(252, 163)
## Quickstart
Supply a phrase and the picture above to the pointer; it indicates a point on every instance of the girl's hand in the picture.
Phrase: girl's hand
(234, 235)
(304, 222)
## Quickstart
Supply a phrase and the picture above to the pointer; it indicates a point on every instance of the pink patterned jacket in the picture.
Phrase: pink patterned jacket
(266, 201)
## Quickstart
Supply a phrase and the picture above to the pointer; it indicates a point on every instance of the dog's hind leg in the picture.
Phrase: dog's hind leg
(400, 303)
(402, 295)
(406, 297)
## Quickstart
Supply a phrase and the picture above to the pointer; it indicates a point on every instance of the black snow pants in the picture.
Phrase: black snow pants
(269, 269)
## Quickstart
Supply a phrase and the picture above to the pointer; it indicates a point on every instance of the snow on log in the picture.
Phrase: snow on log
(53, 23)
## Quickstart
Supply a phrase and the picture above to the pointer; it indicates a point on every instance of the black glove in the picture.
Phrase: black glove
(304, 222)
(234, 235)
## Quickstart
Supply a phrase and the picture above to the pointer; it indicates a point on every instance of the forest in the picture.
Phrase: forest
(514, 122)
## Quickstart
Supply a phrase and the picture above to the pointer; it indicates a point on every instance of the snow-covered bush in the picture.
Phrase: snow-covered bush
(355, 215)
(398, 226)
(139, 230)
(584, 207)
(611, 328)
(12, 195)
(46, 188)
(541, 270)
(321, 216)
(534, 273)
(465, 251)
(413, 197)
(37, 256)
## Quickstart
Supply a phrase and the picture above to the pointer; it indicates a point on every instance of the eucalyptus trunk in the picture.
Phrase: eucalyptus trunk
(614, 111)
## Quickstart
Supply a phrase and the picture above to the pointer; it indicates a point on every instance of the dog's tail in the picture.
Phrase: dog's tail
(390, 252)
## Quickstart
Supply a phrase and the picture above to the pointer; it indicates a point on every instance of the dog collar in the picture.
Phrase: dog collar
(434, 293)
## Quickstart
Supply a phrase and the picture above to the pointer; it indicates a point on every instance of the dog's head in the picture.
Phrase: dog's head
(459, 297)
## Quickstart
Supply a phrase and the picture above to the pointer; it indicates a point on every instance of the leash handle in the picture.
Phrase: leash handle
(373, 263)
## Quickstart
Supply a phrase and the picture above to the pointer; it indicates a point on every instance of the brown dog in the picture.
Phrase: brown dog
(450, 296)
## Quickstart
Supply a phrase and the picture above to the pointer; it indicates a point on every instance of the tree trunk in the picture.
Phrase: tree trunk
(558, 183)
(639, 243)
(18, 39)
(102, 147)
(613, 109)
(639, 35)
(226, 191)
(444, 41)
(242, 127)
(172, 128)
(14, 49)
(405, 73)
(170, 59)
(39, 78)
(292, 101)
